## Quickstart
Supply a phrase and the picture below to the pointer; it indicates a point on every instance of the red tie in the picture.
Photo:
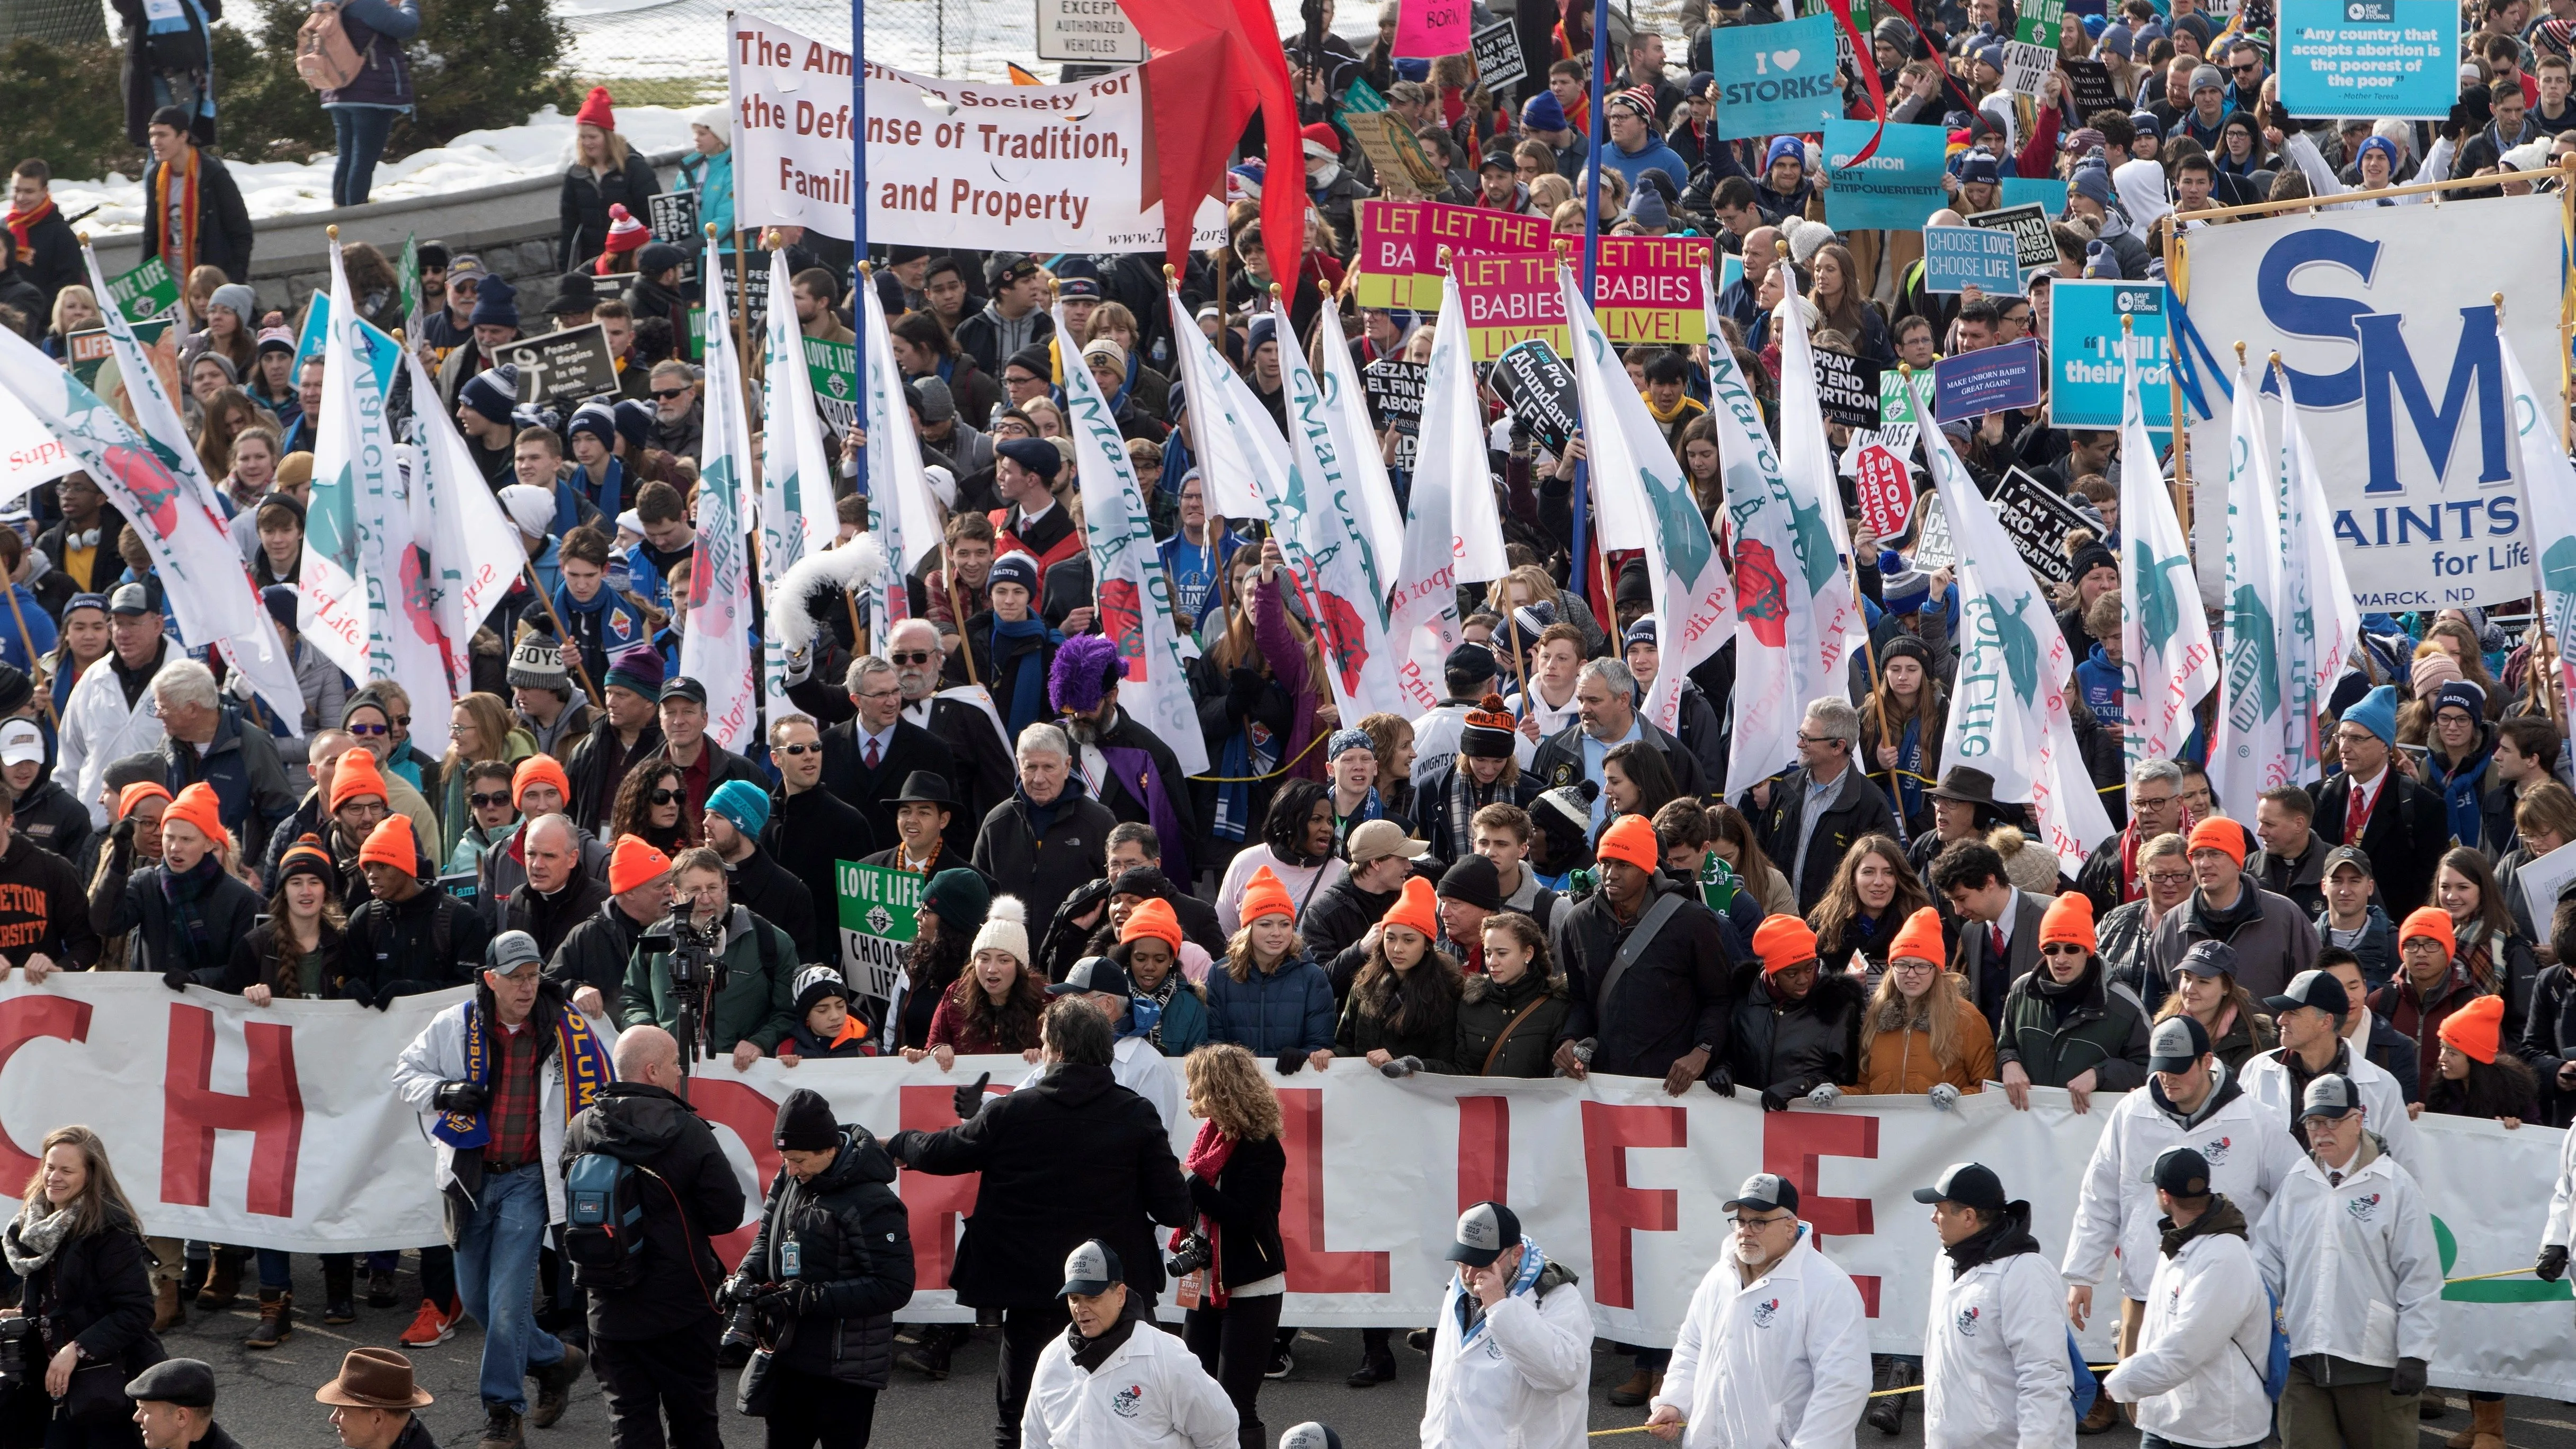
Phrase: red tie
(2357, 818)
(872, 754)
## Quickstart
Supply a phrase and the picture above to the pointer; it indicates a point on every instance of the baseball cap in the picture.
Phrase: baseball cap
(1764, 1192)
(1484, 1231)
(2208, 958)
(2312, 988)
(1093, 973)
(2181, 1171)
(21, 741)
(133, 598)
(1969, 1184)
(1310, 1435)
(1374, 839)
(2332, 1095)
(2351, 855)
(2178, 1042)
(1090, 1268)
(681, 686)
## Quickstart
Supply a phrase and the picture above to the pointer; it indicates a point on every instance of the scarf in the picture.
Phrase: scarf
(20, 223)
(1909, 759)
(192, 938)
(1028, 687)
(1249, 751)
(2476, 954)
(611, 489)
(186, 261)
(585, 1066)
(1209, 1153)
(1155, 1003)
(1466, 797)
(32, 1240)
(1471, 1310)
(1370, 808)
(1666, 416)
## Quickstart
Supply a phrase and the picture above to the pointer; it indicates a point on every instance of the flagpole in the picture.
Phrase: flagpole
(562, 634)
(2539, 599)
(1582, 563)
(2177, 281)
(44, 697)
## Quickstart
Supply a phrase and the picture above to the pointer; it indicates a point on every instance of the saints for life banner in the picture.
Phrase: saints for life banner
(279, 1126)
(1038, 169)
(2391, 350)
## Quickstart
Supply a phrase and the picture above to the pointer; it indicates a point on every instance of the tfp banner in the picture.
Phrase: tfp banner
(2390, 347)
(1039, 169)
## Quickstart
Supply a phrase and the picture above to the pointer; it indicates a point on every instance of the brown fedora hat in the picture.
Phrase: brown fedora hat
(373, 1378)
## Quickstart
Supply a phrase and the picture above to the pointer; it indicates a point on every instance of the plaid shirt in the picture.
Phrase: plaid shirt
(514, 1097)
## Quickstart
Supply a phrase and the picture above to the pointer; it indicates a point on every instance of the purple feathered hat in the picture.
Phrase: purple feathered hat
(1085, 667)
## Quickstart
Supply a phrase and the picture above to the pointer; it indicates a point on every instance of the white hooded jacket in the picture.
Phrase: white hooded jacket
(1150, 1393)
(2268, 1082)
(437, 1055)
(2197, 1377)
(1780, 1364)
(2115, 1207)
(1995, 1372)
(1520, 1378)
(2354, 1263)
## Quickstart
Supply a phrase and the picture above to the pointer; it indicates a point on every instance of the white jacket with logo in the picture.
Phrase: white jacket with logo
(1781, 1364)
(1522, 1381)
(2354, 1263)
(2197, 1377)
(99, 728)
(1150, 1393)
(2561, 1227)
(2249, 1156)
(1995, 1372)
(2268, 1082)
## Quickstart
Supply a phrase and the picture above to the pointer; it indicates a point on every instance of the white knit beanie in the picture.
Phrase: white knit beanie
(1005, 929)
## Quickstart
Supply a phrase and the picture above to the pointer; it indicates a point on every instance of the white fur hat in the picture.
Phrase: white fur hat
(1005, 928)
(1805, 238)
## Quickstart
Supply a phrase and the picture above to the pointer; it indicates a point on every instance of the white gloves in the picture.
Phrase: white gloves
(1825, 1095)
(1944, 1096)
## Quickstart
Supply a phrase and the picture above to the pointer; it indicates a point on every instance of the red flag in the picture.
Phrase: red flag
(1207, 100)
(1867, 59)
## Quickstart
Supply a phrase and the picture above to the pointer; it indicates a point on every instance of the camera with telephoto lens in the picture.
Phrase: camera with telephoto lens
(1194, 1253)
(21, 1356)
(697, 960)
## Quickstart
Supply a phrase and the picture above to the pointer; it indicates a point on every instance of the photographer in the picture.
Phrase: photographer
(653, 1323)
(830, 1265)
(752, 1003)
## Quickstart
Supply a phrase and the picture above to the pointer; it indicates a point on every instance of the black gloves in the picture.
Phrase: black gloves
(177, 978)
(1291, 1062)
(1402, 1067)
(120, 843)
(783, 1300)
(1243, 691)
(970, 1100)
(2407, 1377)
(1772, 1101)
(733, 1293)
(1722, 1082)
(465, 1097)
(902, 1145)
(2553, 1262)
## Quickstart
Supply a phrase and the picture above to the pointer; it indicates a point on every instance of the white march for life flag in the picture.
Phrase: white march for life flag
(2008, 712)
(2167, 660)
(2549, 502)
(1319, 517)
(2251, 753)
(475, 553)
(2323, 625)
(1645, 503)
(1355, 439)
(1795, 615)
(1449, 476)
(795, 471)
(715, 645)
(1222, 440)
(900, 512)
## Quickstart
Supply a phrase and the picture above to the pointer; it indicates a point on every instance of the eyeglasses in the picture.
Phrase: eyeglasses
(2169, 877)
(881, 694)
(795, 750)
(667, 394)
(665, 797)
(492, 801)
(2246, 69)
(1742, 1222)
(916, 656)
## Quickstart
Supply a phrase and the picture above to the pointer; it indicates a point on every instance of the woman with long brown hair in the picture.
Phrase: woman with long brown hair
(1260, 686)
(1874, 894)
(1902, 725)
(1508, 1014)
(2494, 954)
(652, 805)
(1837, 295)
(1702, 465)
(479, 729)
(77, 1244)
(1236, 1167)
(995, 1006)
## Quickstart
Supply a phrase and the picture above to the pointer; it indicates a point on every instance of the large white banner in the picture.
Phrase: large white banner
(278, 1127)
(951, 163)
(2391, 347)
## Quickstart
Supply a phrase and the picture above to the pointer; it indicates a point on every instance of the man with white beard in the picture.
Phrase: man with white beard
(973, 733)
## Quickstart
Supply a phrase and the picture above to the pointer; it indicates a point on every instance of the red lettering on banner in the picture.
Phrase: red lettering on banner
(753, 1118)
(1793, 1143)
(1484, 1150)
(1312, 1268)
(31, 1018)
(933, 1204)
(1618, 1209)
(271, 1110)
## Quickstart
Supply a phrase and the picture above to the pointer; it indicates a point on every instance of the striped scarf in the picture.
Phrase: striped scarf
(183, 260)
(585, 1065)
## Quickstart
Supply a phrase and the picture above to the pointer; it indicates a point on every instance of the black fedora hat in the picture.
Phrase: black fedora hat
(925, 787)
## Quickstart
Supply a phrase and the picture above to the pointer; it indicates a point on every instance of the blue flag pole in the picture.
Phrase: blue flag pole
(859, 207)
(1591, 265)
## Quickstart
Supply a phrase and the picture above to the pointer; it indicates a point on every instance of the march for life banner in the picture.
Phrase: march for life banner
(2392, 351)
(278, 1126)
(1038, 169)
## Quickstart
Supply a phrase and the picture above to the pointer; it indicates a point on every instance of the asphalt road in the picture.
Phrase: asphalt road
(266, 1398)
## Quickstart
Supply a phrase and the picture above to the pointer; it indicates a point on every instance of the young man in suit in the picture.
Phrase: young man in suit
(1999, 934)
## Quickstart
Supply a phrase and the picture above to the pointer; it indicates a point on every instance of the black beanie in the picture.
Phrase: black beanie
(806, 1124)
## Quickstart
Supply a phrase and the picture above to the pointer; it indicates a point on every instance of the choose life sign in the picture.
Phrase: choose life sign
(1775, 78)
(2370, 57)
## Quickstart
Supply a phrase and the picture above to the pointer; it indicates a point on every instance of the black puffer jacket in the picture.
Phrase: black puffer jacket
(690, 1196)
(1675, 997)
(597, 952)
(119, 902)
(1486, 1012)
(1794, 1047)
(854, 1248)
(2103, 1031)
(582, 229)
(428, 941)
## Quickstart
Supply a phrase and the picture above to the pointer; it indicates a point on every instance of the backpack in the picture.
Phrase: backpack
(2274, 1371)
(604, 1221)
(324, 56)
(2084, 1388)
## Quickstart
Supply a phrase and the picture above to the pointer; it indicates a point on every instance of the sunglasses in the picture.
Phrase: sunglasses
(915, 656)
(795, 750)
(364, 731)
(665, 797)
(492, 801)
(667, 394)
(2061, 948)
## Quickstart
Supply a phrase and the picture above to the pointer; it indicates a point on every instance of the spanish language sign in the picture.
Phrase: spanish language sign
(2370, 57)
(1398, 262)
(1775, 78)
(1895, 188)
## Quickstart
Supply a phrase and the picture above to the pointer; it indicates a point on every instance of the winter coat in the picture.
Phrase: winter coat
(1793, 1047)
(2549, 1033)
(437, 1056)
(1148, 1391)
(2206, 1339)
(43, 908)
(2105, 1034)
(2376, 950)
(2300, 879)
(260, 959)
(1899, 1057)
(2269, 1080)
(597, 763)
(583, 222)
(1857, 808)
(1522, 1383)
(551, 919)
(1067, 1158)
(120, 902)
(1336, 925)
(1559, 759)
(810, 833)
(377, 30)
(1783, 1360)
(1677, 995)
(1363, 1031)
(758, 1003)
(1995, 1370)
(224, 233)
(1011, 846)
(48, 817)
(427, 942)
(2354, 1265)
(251, 790)
(1288, 1008)
(2274, 941)
(1494, 1040)
(99, 728)
(96, 1292)
(2404, 837)
(2115, 1206)
(1242, 1202)
(690, 1196)
(853, 1245)
(1183, 1027)
(760, 885)
(597, 952)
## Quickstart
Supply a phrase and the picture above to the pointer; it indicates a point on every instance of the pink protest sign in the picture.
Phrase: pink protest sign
(1429, 29)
